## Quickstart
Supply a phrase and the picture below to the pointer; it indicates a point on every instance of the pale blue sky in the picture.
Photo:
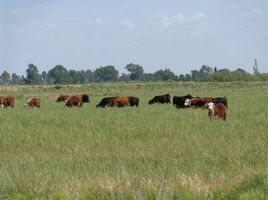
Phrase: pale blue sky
(178, 34)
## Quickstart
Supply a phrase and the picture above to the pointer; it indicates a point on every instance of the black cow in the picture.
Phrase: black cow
(179, 101)
(105, 101)
(160, 99)
(134, 101)
(222, 100)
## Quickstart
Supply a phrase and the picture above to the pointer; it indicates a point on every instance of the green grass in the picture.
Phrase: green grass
(150, 152)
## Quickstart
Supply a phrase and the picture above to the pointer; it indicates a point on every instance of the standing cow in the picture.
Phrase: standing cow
(216, 110)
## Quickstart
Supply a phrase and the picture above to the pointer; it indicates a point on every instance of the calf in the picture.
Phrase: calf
(33, 102)
(216, 110)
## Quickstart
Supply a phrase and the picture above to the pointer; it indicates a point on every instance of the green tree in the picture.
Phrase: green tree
(85, 76)
(165, 75)
(89, 76)
(124, 77)
(74, 76)
(5, 77)
(188, 77)
(81, 76)
(205, 70)
(147, 77)
(195, 75)
(107, 73)
(240, 74)
(16, 79)
(32, 75)
(135, 70)
(58, 75)
(182, 77)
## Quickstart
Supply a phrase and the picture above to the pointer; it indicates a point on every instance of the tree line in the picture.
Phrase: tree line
(60, 75)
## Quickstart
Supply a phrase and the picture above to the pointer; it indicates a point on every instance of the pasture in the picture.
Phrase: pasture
(149, 152)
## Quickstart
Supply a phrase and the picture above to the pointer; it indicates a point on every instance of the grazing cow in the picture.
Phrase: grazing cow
(62, 98)
(134, 101)
(77, 100)
(160, 99)
(220, 100)
(33, 102)
(198, 102)
(119, 102)
(179, 101)
(105, 101)
(7, 101)
(217, 110)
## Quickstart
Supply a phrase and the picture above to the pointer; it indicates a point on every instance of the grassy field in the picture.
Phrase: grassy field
(150, 152)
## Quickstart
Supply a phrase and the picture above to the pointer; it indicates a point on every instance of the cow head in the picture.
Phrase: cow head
(150, 102)
(187, 102)
(210, 106)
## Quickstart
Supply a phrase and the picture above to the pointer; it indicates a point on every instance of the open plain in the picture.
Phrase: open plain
(149, 152)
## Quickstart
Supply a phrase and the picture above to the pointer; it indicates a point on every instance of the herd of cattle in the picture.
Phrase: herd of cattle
(216, 106)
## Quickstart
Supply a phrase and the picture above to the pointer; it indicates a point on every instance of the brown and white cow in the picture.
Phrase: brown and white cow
(7, 101)
(216, 110)
(199, 102)
(33, 102)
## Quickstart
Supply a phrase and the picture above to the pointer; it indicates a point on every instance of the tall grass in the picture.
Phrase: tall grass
(150, 152)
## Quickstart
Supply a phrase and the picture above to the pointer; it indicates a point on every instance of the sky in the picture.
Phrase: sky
(177, 34)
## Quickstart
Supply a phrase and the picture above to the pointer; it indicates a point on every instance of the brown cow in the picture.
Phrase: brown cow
(119, 102)
(77, 100)
(33, 102)
(217, 110)
(62, 98)
(7, 101)
(198, 102)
